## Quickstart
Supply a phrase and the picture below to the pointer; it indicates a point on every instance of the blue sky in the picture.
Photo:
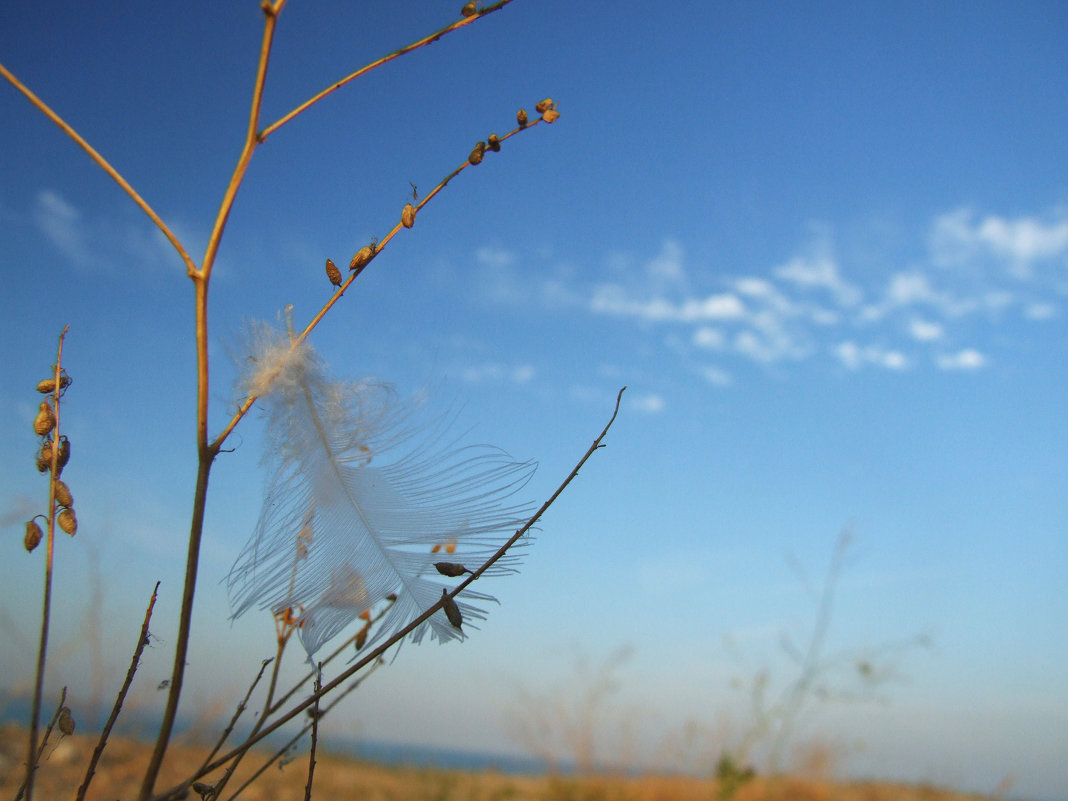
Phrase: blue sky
(825, 248)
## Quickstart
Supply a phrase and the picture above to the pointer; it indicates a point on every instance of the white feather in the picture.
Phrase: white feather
(359, 496)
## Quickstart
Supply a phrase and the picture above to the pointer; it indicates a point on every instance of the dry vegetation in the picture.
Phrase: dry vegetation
(343, 779)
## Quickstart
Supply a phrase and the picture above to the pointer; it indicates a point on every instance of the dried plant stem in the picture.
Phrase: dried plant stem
(247, 404)
(142, 641)
(27, 785)
(378, 63)
(237, 713)
(314, 733)
(103, 163)
(377, 653)
(46, 610)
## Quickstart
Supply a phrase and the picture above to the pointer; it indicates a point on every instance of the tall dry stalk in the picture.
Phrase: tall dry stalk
(207, 448)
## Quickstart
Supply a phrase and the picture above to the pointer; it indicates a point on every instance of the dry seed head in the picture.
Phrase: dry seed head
(362, 257)
(521, 117)
(48, 386)
(551, 116)
(452, 611)
(44, 457)
(469, 9)
(67, 521)
(476, 154)
(408, 215)
(45, 419)
(63, 496)
(333, 273)
(451, 569)
(544, 105)
(494, 143)
(64, 452)
(33, 535)
(66, 722)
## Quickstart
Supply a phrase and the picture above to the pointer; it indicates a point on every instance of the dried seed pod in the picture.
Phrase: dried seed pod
(64, 452)
(67, 521)
(551, 116)
(63, 496)
(408, 215)
(521, 117)
(494, 143)
(452, 611)
(469, 9)
(33, 535)
(476, 154)
(44, 457)
(362, 257)
(48, 386)
(333, 273)
(203, 789)
(544, 105)
(451, 569)
(65, 722)
(45, 420)
(361, 636)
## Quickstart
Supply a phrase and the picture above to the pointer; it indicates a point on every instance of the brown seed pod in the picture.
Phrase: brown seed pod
(44, 457)
(33, 535)
(408, 215)
(63, 496)
(48, 386)
(452, 611)
(476, 154)
(45, 420)
(451, 569)
(333, 273)
(521, 117)
(494, 143)
(362, 257)
(361, 636)
(64, 452)
(469, 9)
(67, 521)
(544, 105)
(551, 116)
(65, 722)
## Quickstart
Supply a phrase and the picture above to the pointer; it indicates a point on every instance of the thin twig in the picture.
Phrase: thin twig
(142, 641)
(378, 63)
(103, 163)
(237, 713)
(314, 734)
(247, 404)
(27, 784)
(413, 625)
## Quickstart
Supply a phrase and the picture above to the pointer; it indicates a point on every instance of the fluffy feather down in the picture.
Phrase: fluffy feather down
(359, 495)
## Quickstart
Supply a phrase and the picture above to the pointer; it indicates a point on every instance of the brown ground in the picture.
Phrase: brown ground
(119, 772)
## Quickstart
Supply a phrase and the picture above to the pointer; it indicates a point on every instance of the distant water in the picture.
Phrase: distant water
(17, 710)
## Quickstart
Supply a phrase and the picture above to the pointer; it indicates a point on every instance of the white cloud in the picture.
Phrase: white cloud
(613, 299)
(650, 404)
(957, 237)
(666, 268)
(716, 377)
(967, 359)
(854, 357)
(1040, 311)
(495, 257)
(707, 337)
(495, 372)
(924, 330)
(819, 271)
(62, 224)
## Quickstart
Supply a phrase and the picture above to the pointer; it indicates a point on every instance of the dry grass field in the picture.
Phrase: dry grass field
(341, 779)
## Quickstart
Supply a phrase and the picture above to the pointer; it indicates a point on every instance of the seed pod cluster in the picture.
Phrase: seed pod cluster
(494, 143)
(548, 111)
(333, 273)
(408, 215)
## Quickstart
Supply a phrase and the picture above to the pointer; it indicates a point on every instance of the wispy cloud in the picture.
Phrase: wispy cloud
(649, 403)
(970, 273)
(495, 372)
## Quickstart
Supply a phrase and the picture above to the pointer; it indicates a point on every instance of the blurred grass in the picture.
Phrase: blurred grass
(345, 779)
